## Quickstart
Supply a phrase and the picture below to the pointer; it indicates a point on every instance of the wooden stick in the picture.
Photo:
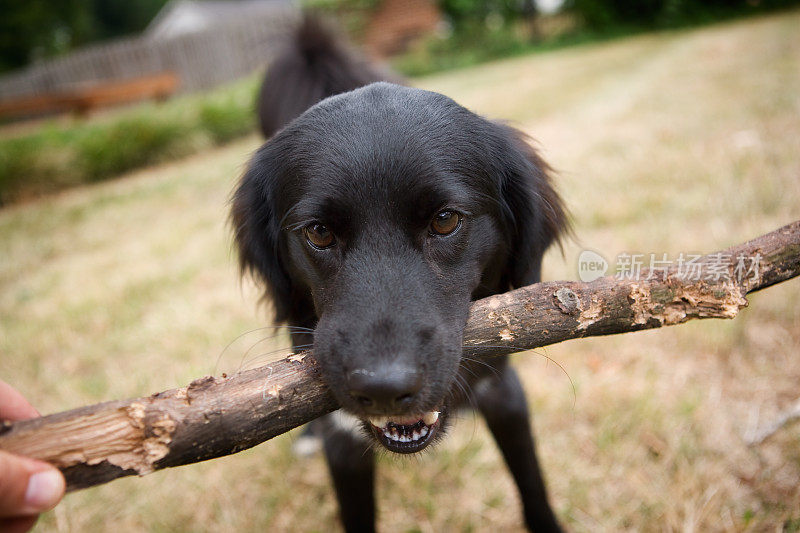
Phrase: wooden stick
(213, 416)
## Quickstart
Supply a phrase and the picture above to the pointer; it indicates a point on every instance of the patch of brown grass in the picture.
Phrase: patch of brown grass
(681, 142)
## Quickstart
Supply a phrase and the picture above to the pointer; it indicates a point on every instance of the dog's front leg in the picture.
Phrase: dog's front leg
(352, 467)
(502, 402)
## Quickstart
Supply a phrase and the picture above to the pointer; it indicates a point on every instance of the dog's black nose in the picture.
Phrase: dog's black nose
(391, 389)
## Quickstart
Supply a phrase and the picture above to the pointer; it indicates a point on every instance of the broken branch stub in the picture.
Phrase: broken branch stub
(213, 417)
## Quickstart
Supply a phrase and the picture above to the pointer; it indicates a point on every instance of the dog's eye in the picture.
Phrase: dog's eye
(445, 222)
(319, 236)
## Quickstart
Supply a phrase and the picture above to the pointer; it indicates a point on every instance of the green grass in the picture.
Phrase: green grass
(679, 142)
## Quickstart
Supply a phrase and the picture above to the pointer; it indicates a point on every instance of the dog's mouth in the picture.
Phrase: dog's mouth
(405, 434)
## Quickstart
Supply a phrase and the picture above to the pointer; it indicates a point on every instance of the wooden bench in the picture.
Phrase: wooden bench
(83, 99)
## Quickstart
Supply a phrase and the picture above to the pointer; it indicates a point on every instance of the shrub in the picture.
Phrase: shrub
(27, 169)
(469, 45)
(228, 119)
(130, 143)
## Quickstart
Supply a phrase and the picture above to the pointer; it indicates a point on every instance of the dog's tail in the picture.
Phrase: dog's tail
(316, 63)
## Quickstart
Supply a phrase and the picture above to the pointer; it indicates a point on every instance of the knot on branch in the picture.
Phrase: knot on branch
(567, 301)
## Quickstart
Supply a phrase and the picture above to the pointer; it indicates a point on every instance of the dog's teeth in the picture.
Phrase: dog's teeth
(423, 432)
(430, 417)
(379, 421)
(415, 436)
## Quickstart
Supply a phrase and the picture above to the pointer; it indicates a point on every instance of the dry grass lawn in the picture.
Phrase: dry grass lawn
(679, 142)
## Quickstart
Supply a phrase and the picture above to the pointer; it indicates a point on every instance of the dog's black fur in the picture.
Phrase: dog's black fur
(388, 295)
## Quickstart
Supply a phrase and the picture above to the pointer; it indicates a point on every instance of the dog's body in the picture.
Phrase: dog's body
(375, 218)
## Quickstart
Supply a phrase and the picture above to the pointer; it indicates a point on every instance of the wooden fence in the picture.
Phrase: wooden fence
(200, 60)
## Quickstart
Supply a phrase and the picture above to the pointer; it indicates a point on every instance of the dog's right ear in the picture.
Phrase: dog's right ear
(256, 229)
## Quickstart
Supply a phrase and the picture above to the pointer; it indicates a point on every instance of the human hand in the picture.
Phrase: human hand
(27, 486)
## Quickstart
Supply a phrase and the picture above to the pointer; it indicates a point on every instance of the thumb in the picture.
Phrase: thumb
(27, 486)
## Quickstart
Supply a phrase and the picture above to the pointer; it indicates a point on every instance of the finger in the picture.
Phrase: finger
(17, 525)
(27, 487)
(13, 405)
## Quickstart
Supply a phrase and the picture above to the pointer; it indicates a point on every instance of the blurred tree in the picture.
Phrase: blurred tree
(604, 14)
(113, 18)
(465, 13)
(34, 29)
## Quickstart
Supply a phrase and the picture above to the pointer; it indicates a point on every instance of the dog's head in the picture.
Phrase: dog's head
(379, 214)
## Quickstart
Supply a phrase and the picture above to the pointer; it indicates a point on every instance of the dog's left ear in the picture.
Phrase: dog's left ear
(535, 214)
(256, 229)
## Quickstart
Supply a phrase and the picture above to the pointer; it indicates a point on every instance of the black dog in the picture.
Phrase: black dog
(375, 218)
